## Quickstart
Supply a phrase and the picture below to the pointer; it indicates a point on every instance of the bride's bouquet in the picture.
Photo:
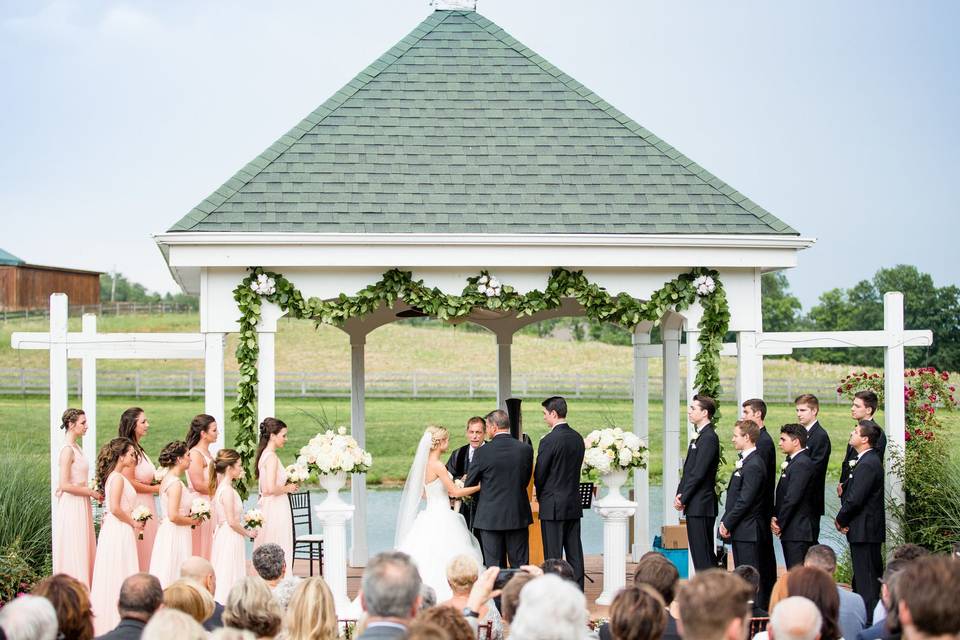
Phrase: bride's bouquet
(614, 449)
(333, 452)
(199, 511)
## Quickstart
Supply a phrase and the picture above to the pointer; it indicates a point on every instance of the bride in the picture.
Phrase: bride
(434, 536)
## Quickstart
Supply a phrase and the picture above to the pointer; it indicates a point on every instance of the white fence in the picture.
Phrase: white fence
(102, 309)
(406, 384)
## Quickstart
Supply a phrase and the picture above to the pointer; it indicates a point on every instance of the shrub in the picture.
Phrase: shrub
(25, 533)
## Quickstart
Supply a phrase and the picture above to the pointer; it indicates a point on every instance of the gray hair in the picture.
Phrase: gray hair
(29, 618)
(173, 623)
(428, 596)
(140, 596)
(552, 598)
(391, 586)
(795, 618)
(269, 561)
(499, 419)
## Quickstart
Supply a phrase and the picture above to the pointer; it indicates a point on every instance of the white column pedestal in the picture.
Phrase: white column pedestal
(333, 516)
(615, 511)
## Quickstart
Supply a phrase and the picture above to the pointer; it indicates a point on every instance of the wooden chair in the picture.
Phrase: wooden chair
(301, 514)
(757, 625)
(484, 631)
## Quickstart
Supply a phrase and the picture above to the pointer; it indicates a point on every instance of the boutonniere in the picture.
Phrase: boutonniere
(783, 465)
(739, 464)
(852, 464)
(693, 443)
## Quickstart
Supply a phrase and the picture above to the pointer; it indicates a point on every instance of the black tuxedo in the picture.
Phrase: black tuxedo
(768, 557)
(698, 496)
(128, 629)
(794, 510)
(458, 465)
(851, 454)
(556, 477)
(862, 511)
(743, 514)
(818, 444)
(502, 468)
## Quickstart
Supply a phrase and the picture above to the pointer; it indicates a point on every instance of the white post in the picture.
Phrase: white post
(358, 533)
(504, 369)
(671, 422)
(749, 368)
(88, 390)
(894, 412)
(266, 363)
(213, 384)
(58, 395)
(333, 515)
(615, 511)
(693, 349)
(641, 427)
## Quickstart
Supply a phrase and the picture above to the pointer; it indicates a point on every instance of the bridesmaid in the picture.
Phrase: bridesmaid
(74, 537)
(117, 546)
(229, 540)
(202, 433)
(173, 544)
(277, 521)
(134, 426)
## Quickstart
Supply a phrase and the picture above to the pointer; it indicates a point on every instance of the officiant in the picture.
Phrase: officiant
(459, 463)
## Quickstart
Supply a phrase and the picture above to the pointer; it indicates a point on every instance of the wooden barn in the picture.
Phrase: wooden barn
(28, 286)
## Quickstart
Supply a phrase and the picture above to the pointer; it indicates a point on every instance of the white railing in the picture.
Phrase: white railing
(102, 309)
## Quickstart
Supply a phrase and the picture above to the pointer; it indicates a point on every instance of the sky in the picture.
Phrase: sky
(840, 118)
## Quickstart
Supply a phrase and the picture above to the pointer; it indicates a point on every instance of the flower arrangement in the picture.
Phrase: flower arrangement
(141, 514)
(297, 473)
(199, 511)
(333, 452)
(489, 286)
(252, 519)
(264, 285)
(704, 285)
(614, 449)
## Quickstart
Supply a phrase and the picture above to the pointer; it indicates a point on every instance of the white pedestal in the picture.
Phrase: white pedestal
(615, 511)
(333, 515)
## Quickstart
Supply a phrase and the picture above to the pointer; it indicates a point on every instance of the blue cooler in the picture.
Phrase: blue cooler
(677, 557)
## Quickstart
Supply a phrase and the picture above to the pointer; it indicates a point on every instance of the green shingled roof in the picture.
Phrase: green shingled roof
(459, 128)
(8, 259)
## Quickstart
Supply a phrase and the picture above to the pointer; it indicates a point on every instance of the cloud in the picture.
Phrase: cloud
(74, 22)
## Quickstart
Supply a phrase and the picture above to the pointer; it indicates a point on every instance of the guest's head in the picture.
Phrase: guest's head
(391, 586)
(140, 597)
(510, 596)
(29, 618)
(559, 567)
(778, 593)
(226, 464)
(550, 598)
(462, 573)
(272, 431)
(251, 606)
(751, 576)
(71, 601)
(908, 551)
(269, 561)
(420, 630)
(638, 612)
(191, 597)
(796, 618)
(200, 570)
(808, 407)
(116, 455)
(714, 605)
(888, 594)
(928, 590)
(203, 428)
(450, 620)
(659, 573)
(311, 614)
(229, 633)
(133, 425)
(428, 596)
(173, 623)
(822, 557)
(818, 586)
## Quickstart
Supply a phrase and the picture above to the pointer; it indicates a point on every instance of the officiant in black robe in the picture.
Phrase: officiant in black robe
(459, 464)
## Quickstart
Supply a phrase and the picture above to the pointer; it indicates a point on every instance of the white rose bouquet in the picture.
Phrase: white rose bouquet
(704, 285)
(199, 511)
(264, 285)
(614, 449)
(489, 286)
(297, 473)
(141, 514)
(253, 519)
(159, 475)
(333, 452)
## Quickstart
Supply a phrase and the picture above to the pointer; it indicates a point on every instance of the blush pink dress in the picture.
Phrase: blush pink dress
(144, 473)
(173, 544)
(277, 520)
(229, 555)
(116, 557)
(76, 544)
(203, 533)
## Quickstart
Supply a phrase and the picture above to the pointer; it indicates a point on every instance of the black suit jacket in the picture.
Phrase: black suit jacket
(768, 452)
(696, 488)
(851, 454)
(459, 461)
(557, 473)
(502, 468)
(818, 444)
(743, 513)
(215, 621)
(793, 508)
(861, 505)
(128, 629)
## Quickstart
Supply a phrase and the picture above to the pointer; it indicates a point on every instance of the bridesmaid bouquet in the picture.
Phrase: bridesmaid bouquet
(141, 514)
(610, 450)
(159, 475)
(334, 452)
(253, 519)
(199, 511)
(297, 474)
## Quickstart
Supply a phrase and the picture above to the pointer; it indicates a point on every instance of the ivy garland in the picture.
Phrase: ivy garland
(622, 309)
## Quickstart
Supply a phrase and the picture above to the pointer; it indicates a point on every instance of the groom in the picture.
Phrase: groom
(502, 468)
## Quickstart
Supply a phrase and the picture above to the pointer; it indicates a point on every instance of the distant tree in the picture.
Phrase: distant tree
(127, 291)
(781, 309)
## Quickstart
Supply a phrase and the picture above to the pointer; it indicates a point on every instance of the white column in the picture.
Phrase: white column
(749, 368)
(58, 395)
(358, 533)
(693, 349)
(504, 369)
(615, 511)
(893, 410)
(88, 390)
(641, 427)
(671, 422)
(213, 385)
(266, 363)
(333, 515)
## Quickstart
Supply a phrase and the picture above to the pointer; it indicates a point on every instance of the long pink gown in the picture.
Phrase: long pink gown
(203, 533)
(173, 545)
(144, 473)
(116, 558)
(277, 521)
(74, 539)
(229, 556)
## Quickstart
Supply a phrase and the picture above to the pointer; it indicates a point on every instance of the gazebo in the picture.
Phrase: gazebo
(461, 152)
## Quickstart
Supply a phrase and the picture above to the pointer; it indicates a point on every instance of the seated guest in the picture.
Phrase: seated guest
(853, 613)
(462, 572)
(271, 565)
(906, 552)
(779, 591)
(558, 567)
(252, 607)
(428, 597)
(140, 597)
(818, 587)
(637, 613)
(928, 592)
(389, 595)
(71, 601)
(420, 630)
(311, 614)
(191, 598)
(752, 577)
(550, 608)
(29, 618)
(714, 605)
(199, 569)
(450, 620)
(888, 627)
(510, 596)
(172, 623)
(226, 633)
(795, 618)
(655, 571)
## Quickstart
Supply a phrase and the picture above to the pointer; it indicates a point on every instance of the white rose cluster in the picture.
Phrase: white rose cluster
(489, 286)
(264, 285)
(704, 285)
(297, 473)
(334, 452)
(614, 450)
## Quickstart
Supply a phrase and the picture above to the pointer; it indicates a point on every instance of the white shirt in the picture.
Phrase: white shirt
(747, 452)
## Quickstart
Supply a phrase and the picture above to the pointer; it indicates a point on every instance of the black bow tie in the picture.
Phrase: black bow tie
(789, 458)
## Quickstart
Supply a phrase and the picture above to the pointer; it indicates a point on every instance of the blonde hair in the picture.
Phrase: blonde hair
(251, 606)
(311, 614)
(171, 623)
(462, 572)
(190, 597)
(437, 435)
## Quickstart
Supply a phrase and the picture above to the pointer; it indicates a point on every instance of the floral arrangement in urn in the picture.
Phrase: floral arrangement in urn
(333, 452)
(613, 449)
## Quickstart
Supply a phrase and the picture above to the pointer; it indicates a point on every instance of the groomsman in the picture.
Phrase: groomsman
(556, 479)
(794, 521)
(755, 409)
(818, 446)
(460, 461)
(696, 496)
(864, 406)
(862, 517)
(742, 518)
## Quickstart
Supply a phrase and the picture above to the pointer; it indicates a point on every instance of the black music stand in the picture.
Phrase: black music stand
(586, 502)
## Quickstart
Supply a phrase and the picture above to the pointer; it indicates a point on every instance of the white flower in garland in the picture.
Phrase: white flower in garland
(264, 285)
(704, 285)
(489, 286)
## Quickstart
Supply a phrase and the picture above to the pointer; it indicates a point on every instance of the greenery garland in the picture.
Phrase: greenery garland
(482, 292)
